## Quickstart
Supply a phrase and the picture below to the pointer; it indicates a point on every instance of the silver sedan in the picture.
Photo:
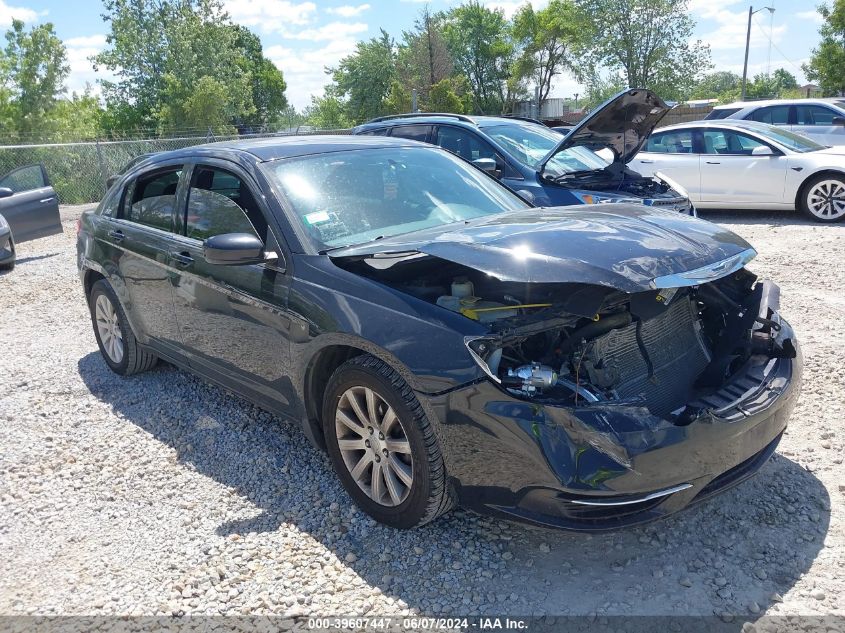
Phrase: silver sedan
(748, 165)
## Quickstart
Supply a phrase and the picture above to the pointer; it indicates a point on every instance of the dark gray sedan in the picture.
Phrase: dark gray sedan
(29, 209)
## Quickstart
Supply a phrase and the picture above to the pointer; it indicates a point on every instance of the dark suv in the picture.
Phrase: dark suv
(586, 166)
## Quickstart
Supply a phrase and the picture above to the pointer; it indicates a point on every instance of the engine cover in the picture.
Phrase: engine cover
(675, 347)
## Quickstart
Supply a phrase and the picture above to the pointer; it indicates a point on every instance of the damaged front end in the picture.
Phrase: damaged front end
(602, 407)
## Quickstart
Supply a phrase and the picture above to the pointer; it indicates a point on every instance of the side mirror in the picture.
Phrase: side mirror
(838, 120)
(5, 192)
(487, 165)
(234, 249)
(528, 196)
(762, 150)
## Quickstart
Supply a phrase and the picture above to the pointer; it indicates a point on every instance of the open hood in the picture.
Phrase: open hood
(632, 248)
(621, 124)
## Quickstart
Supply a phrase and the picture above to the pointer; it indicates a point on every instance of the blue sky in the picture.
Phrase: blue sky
(304, 36)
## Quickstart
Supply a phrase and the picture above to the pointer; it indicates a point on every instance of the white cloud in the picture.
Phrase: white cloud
(510, 7)
(270, 15)
(349, 11)
(731, 28)
(813, 16)
(24, 14)
(82, 73)
(331, 31)
(304, 70)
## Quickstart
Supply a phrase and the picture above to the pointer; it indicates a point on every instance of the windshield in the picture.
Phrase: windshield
(356, 196)
(795, 142)
(530, 144)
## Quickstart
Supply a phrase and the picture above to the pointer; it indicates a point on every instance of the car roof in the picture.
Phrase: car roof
(769, 102)
(278, 147)
(738, 124)
(480, 121)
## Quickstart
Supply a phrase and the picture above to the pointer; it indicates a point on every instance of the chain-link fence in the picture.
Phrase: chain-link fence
(78, 171)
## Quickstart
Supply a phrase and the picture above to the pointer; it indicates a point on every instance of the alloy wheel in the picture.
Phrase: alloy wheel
(108, 327)
(826, 200)
(374, 446)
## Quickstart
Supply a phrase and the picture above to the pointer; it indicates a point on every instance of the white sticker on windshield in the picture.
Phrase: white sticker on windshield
(317, 217)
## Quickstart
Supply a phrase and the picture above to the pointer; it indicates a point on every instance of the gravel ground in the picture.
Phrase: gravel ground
(162, 494)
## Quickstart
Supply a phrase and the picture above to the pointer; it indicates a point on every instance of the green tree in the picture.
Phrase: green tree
(722, 85)
(327, 112)
(827, 64)
(423, 59)
(77, 118)
(33, 67)
(601, 88)
(479, 42)
(365, 77)
(551, 38)
(183, 64)
(443, 98)
(649, 42)
(266, 81)
(398, 100)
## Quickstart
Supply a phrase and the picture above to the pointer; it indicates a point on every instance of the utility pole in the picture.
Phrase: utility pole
(751, 12)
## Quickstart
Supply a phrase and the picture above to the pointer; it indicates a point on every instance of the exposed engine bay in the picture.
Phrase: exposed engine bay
(618, 177)
(577, 344)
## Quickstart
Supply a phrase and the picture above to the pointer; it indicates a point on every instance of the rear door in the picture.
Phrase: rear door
(137, 243)
(33, 208)
(674, 153)
(233, 320)
(816, 121)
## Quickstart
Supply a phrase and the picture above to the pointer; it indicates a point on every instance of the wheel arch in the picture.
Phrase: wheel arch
(825, 171)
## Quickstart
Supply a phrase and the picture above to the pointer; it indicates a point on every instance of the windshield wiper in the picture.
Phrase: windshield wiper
(326, 251)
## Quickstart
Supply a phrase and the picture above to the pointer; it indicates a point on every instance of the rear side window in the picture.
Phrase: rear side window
(412, 132)
(24, 179)
(151, 199)
(721, 113)
(465, 144)
(218, 203)
(814, 115)
(774, 115)
(379, 132)
(674, 142)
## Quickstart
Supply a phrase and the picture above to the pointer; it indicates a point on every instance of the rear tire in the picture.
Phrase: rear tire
(383, 446)
(117, 342)
(823, 198)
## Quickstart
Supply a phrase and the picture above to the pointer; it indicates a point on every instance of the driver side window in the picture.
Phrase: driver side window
(218, 203)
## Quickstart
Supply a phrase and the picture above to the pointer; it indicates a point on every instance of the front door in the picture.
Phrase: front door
(672, 153)
(731, 174)
(32, 210)
(232, 319)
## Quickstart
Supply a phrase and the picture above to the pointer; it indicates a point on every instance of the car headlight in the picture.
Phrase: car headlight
(592, 198)
(487, 354)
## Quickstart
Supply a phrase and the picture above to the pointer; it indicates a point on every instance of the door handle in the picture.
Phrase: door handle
(46, 200)
(646, 162)
(117, 236)
(182, 258)
(712, 162)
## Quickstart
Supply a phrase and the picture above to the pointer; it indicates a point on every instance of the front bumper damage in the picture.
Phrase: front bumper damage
(608, 465)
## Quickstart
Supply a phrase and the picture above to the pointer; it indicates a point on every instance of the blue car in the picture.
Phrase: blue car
(586, 166)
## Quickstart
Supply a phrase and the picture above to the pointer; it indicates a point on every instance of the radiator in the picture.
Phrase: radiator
(677, 351)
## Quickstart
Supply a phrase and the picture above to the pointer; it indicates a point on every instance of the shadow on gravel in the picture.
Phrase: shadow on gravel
(763, 216)
(738, 549)
(34, 258)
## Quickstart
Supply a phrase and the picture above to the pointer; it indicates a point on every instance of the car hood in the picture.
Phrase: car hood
(836, 150)
(631, 248)
(622, 124)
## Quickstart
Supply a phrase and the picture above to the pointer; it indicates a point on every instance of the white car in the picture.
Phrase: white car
(821, 119)
(748, 165)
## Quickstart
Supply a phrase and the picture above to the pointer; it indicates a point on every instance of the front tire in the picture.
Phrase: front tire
(10, 265)
(383, 446)
(115, 338)
(823, 198)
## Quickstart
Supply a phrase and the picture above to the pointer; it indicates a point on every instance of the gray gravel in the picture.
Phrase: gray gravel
(162, 494)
